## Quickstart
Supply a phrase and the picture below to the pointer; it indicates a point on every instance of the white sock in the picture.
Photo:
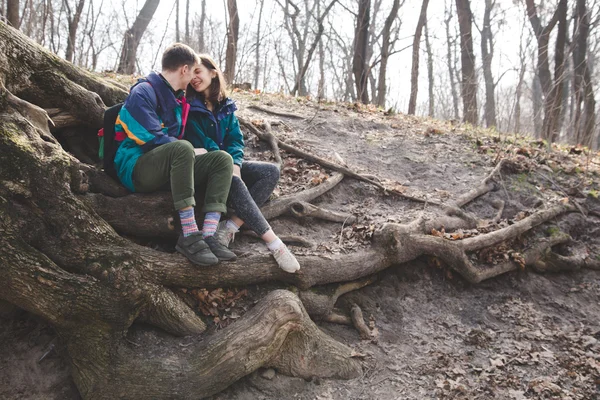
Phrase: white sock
(275, 244)
(231, 226)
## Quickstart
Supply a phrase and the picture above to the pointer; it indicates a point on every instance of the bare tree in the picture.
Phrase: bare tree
(73, 17)
(585, 119)
(317, 39)
(385, 53)
(431, 103)
(187, 21)
(522, 70)
(201, 41)
(257, 45)
(133, 36)
(177, 21)
(414, 72)
(552, 91)
(487, 54)
(450, 45)
(361, 41)
(232, 40)
(12, 13)
(467, 57)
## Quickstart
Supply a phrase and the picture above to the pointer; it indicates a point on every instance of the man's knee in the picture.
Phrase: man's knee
(222, 159)
(181, 148)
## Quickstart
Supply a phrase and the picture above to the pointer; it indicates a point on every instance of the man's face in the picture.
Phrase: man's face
(187, 74)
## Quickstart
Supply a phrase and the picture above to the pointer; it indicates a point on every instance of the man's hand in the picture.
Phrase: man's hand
(237, 171)
(199, 152)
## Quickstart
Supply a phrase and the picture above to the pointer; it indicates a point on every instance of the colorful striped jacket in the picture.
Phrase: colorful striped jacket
(152, 115)
(215, 131)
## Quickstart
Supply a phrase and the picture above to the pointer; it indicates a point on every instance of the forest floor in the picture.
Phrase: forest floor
(522, 335)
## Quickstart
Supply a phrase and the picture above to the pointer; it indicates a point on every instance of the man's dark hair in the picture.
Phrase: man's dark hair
(178, 55)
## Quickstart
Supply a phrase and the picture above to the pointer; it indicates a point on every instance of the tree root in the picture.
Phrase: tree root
(302, 209)
(359, 322)
(277, 113)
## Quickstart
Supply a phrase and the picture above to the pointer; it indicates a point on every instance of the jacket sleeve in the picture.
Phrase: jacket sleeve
(235, 141)
(139, 119)
(195, 134)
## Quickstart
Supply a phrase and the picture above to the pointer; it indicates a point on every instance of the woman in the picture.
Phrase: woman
(212, 125)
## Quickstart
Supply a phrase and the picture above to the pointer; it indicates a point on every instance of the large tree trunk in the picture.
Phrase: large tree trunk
(134, 34)
(414, 72)
(467, 57)
(487, 53)
(361, 43)
(385, 54)
(232, 39)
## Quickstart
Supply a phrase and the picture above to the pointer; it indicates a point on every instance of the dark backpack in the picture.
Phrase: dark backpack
(108, 141)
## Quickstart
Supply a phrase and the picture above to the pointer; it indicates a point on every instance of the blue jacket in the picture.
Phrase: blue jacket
(215, 131)
(152, 115)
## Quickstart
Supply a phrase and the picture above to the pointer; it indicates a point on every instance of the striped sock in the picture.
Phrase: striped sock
(211, 220)
(188, 222)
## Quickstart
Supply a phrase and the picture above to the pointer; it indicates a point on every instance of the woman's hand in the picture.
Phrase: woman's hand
(199, 152)
(237, 171)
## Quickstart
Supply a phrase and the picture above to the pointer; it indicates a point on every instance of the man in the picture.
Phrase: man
(153, 155)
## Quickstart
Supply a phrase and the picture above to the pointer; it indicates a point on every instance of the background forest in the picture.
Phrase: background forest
(517, 65)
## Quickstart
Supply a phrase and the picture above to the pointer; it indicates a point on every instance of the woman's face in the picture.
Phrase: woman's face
(202, 78)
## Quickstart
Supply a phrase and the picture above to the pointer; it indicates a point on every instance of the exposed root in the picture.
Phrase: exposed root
(302, 209)
(359, 322)
(273, 112)
(281, 205)
(484, 187)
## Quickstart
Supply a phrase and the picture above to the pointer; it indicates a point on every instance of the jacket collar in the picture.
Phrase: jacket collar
(224, 108)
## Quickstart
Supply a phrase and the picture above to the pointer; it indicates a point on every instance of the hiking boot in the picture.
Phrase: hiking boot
(285, 259)
(222, 252)
(196, 250)
(224, 235)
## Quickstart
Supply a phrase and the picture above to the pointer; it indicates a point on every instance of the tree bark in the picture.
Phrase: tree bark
(487, 53)
(385, 53)
(361, 43)
(467, 57)
(134, 34)
(414, 72)
(232, 40)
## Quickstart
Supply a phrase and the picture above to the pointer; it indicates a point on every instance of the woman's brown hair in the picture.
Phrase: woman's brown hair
(218, 86)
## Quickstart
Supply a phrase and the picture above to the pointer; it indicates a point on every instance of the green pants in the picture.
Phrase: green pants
(176, 164)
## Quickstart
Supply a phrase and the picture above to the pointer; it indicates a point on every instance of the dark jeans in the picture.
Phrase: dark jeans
(176, 164)
(246, 195)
